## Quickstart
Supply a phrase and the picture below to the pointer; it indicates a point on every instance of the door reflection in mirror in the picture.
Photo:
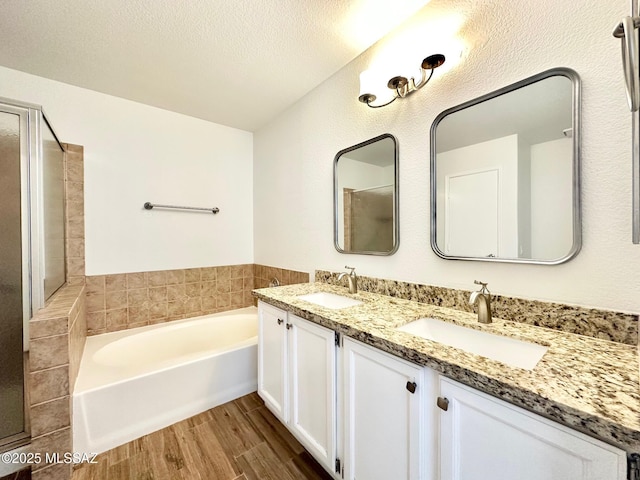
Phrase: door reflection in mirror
(366, 197)
(505, 174)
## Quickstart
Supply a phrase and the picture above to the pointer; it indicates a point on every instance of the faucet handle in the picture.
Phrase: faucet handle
(350, 268)
(483, 289)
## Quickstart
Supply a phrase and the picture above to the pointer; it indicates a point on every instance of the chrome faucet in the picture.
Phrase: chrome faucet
(483, 297)
(352, 278)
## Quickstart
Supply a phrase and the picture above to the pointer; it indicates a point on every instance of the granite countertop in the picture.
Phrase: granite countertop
(588, 384)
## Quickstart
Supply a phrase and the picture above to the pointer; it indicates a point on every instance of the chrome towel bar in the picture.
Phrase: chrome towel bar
(150, 206)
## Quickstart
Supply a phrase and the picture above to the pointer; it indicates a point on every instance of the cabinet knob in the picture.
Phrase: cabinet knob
(443, 403)
(280, 321)
(289, 326)
(411, 386)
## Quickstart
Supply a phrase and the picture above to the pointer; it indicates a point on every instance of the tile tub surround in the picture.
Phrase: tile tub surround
(129, 300)
(588, 384)
(263, 274)
(74, 212)
(603, 324)
(57, 334)
(120, 301)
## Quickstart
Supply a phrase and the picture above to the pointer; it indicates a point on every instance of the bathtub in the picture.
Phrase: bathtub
(134, 382)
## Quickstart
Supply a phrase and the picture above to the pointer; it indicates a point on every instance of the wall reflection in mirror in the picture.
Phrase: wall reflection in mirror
(505, 174)
(366, 197)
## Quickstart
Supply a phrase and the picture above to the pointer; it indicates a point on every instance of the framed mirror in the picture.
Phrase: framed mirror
(505, 173)
(365, 188)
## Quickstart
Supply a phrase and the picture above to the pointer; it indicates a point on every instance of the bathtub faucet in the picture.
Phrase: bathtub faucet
(352, 279)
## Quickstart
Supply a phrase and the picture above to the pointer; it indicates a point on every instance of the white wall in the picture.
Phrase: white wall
(506, 41)
(135, 153)
(551, 169)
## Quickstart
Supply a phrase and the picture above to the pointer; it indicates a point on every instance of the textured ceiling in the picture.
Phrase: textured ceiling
(237, 63)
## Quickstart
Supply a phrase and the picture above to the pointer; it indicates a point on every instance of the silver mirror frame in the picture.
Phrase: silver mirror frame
(577, 222)
(396, 196)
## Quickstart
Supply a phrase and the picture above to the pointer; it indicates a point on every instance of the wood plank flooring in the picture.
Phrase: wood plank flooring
(240, 440)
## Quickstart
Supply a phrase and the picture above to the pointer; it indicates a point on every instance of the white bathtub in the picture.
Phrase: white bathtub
(134, 382)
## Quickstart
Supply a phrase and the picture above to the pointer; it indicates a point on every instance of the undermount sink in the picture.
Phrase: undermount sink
(516, 353)
(329, 300)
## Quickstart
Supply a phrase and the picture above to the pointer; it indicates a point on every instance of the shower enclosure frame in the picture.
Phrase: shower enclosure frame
(32, 121)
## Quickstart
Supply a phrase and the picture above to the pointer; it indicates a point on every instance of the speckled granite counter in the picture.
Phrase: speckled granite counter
(588, 384)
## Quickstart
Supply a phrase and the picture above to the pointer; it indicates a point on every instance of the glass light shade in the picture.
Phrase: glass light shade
(367, 83)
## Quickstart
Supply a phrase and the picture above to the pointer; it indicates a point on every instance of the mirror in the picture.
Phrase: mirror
(365, 188)
(505, 180)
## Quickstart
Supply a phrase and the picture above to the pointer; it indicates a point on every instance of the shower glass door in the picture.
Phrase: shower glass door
(12, 271)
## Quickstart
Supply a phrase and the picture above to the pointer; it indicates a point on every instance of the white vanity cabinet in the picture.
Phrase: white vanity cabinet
(385, 416)
(297, 378)
(272, 359)
(482, 437)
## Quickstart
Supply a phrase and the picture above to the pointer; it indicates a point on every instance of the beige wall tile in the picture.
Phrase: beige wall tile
(50, 416)
(176, 277)
(209, 289)
(48, 327)
(223, 286)
(209, 304)
(157, 294)
(116, 319)
(236, 284)
(75, 227)
(193, 305)
(137, 297)
(59, 441)
(223, 300)
(175, 308)
(192, 275)
(117, 299)
(237, 299)
(96, 321)
(138, 314)
(95, 302)
(177, 292)
(158, 311)
(49, 384)
(209, 273)
(75, 247)
(236, 271)
(137, 280)
(75, 191)
(95, 284)
(157, 279)
(224, 272)
(74, 169)
(193, 290)
(49, 352)
(115, 282)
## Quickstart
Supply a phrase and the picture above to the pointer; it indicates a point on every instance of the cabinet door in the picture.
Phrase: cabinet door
(383, 419)
(312, 387)
(272, 359)
(484, 437)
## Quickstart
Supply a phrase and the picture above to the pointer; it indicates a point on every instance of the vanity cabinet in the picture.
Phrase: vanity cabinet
(297, 378)
(272, 359)
(484, 437)
(386, 418)
(384, 415)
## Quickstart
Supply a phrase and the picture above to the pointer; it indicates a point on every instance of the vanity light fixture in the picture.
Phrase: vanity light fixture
(401, 85)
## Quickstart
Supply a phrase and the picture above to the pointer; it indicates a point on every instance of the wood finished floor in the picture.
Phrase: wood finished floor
(240, 440)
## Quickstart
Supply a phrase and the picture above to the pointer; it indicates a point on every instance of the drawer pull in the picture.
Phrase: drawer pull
(280, 321)
(411, 386)
(443, 403)
(289, 326)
